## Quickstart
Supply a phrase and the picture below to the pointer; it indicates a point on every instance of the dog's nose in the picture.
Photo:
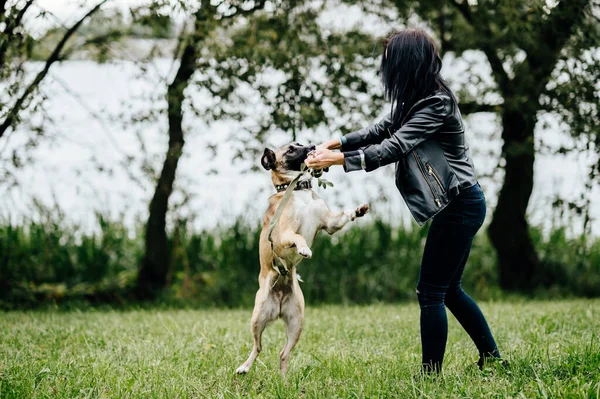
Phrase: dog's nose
(312, 147)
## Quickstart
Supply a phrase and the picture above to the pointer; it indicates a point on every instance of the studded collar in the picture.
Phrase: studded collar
(302, 185)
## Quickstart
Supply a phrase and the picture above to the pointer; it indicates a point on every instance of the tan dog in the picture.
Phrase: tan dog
(279, 295)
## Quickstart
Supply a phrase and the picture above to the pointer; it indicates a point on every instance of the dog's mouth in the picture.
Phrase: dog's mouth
(295, 156)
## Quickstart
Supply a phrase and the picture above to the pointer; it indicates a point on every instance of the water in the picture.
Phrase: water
(64, 168)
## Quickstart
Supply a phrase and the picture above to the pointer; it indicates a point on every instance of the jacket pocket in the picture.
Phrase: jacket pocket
(423, 169)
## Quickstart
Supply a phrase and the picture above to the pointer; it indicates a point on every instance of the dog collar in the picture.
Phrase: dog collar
(302, 185)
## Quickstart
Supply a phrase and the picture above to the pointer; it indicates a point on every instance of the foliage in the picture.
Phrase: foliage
(43, 261)
(20, 85)
(316, 77)
(543, 57)
(307, 77)
(363, 352)
(46, 261)
(106, 35)
(233, 44)
(516, 37)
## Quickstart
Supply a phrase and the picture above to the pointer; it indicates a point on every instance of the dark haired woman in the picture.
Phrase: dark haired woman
(424, 136)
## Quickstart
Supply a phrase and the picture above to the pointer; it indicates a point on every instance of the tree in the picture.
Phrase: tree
(235, 44)
(16, 47)
(528, 45)
(22, 97)
(154, 268)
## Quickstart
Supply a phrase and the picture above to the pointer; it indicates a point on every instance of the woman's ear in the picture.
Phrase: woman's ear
(268, 159)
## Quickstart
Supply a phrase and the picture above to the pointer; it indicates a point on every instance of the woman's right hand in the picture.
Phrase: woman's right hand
(333, 144)
(321, 159)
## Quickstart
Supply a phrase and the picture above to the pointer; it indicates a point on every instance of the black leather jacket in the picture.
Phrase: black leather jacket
(432, 156)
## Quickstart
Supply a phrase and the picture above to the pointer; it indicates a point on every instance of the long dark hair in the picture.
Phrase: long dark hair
(410, 71)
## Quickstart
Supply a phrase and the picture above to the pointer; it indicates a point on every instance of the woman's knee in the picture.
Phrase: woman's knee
(453, 294)
(430, 296)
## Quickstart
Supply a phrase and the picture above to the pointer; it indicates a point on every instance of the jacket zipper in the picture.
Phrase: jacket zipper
(435, 197)
(432, 173)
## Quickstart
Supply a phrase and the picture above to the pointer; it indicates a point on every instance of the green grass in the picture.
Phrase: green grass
(357, 351)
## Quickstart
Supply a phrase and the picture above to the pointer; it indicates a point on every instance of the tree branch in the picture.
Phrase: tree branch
(22, 12)
(498, 70)
(473, 107)
(562, 21)
(464, 9)
(55, 56)
(555, 33)
(8, 30)
(486, 35)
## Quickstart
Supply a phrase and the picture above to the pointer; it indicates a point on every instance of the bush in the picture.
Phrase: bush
(48, 261)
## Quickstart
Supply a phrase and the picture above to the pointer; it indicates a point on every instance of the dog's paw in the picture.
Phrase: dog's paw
(305, 252)
(361, 211)
(243, 369)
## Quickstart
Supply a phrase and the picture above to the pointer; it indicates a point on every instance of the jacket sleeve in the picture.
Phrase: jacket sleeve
(424, 122)
(373, 134)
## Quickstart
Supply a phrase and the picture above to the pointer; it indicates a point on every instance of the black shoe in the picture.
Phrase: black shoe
(486, 362)
(489, 358)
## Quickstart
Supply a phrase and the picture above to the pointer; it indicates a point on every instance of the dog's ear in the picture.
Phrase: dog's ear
(268, 159)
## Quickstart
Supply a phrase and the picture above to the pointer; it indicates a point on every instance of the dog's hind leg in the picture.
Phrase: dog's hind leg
(265, 310)
(292, 314)
(334, 222)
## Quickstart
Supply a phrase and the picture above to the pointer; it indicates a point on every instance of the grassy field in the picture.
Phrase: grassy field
(346, 352)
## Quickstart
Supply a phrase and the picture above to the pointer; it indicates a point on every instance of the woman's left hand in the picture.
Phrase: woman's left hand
(322, 158)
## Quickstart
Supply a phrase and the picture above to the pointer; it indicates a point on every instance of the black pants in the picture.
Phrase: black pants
(446, 252)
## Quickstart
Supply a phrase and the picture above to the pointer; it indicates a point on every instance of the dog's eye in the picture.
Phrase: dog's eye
(291, 150)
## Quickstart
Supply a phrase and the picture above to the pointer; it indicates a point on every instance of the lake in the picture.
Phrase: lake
(86, 135)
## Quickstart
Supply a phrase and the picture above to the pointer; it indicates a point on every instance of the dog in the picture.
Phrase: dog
(279, 294)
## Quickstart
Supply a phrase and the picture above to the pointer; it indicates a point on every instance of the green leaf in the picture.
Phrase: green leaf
(324, 183)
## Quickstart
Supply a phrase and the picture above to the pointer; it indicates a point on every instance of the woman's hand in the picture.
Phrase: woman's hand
(333, 144)
(322, 158)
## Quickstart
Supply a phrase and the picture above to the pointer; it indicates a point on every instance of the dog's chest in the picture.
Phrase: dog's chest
(308, 208)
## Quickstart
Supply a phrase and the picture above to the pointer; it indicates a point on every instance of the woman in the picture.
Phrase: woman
(424, 136)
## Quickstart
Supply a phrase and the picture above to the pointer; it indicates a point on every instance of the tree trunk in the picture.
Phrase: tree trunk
(153, 272)
(518, 263)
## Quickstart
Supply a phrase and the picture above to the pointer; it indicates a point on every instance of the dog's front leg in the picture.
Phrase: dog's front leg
(334, 222)
(290, 239)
